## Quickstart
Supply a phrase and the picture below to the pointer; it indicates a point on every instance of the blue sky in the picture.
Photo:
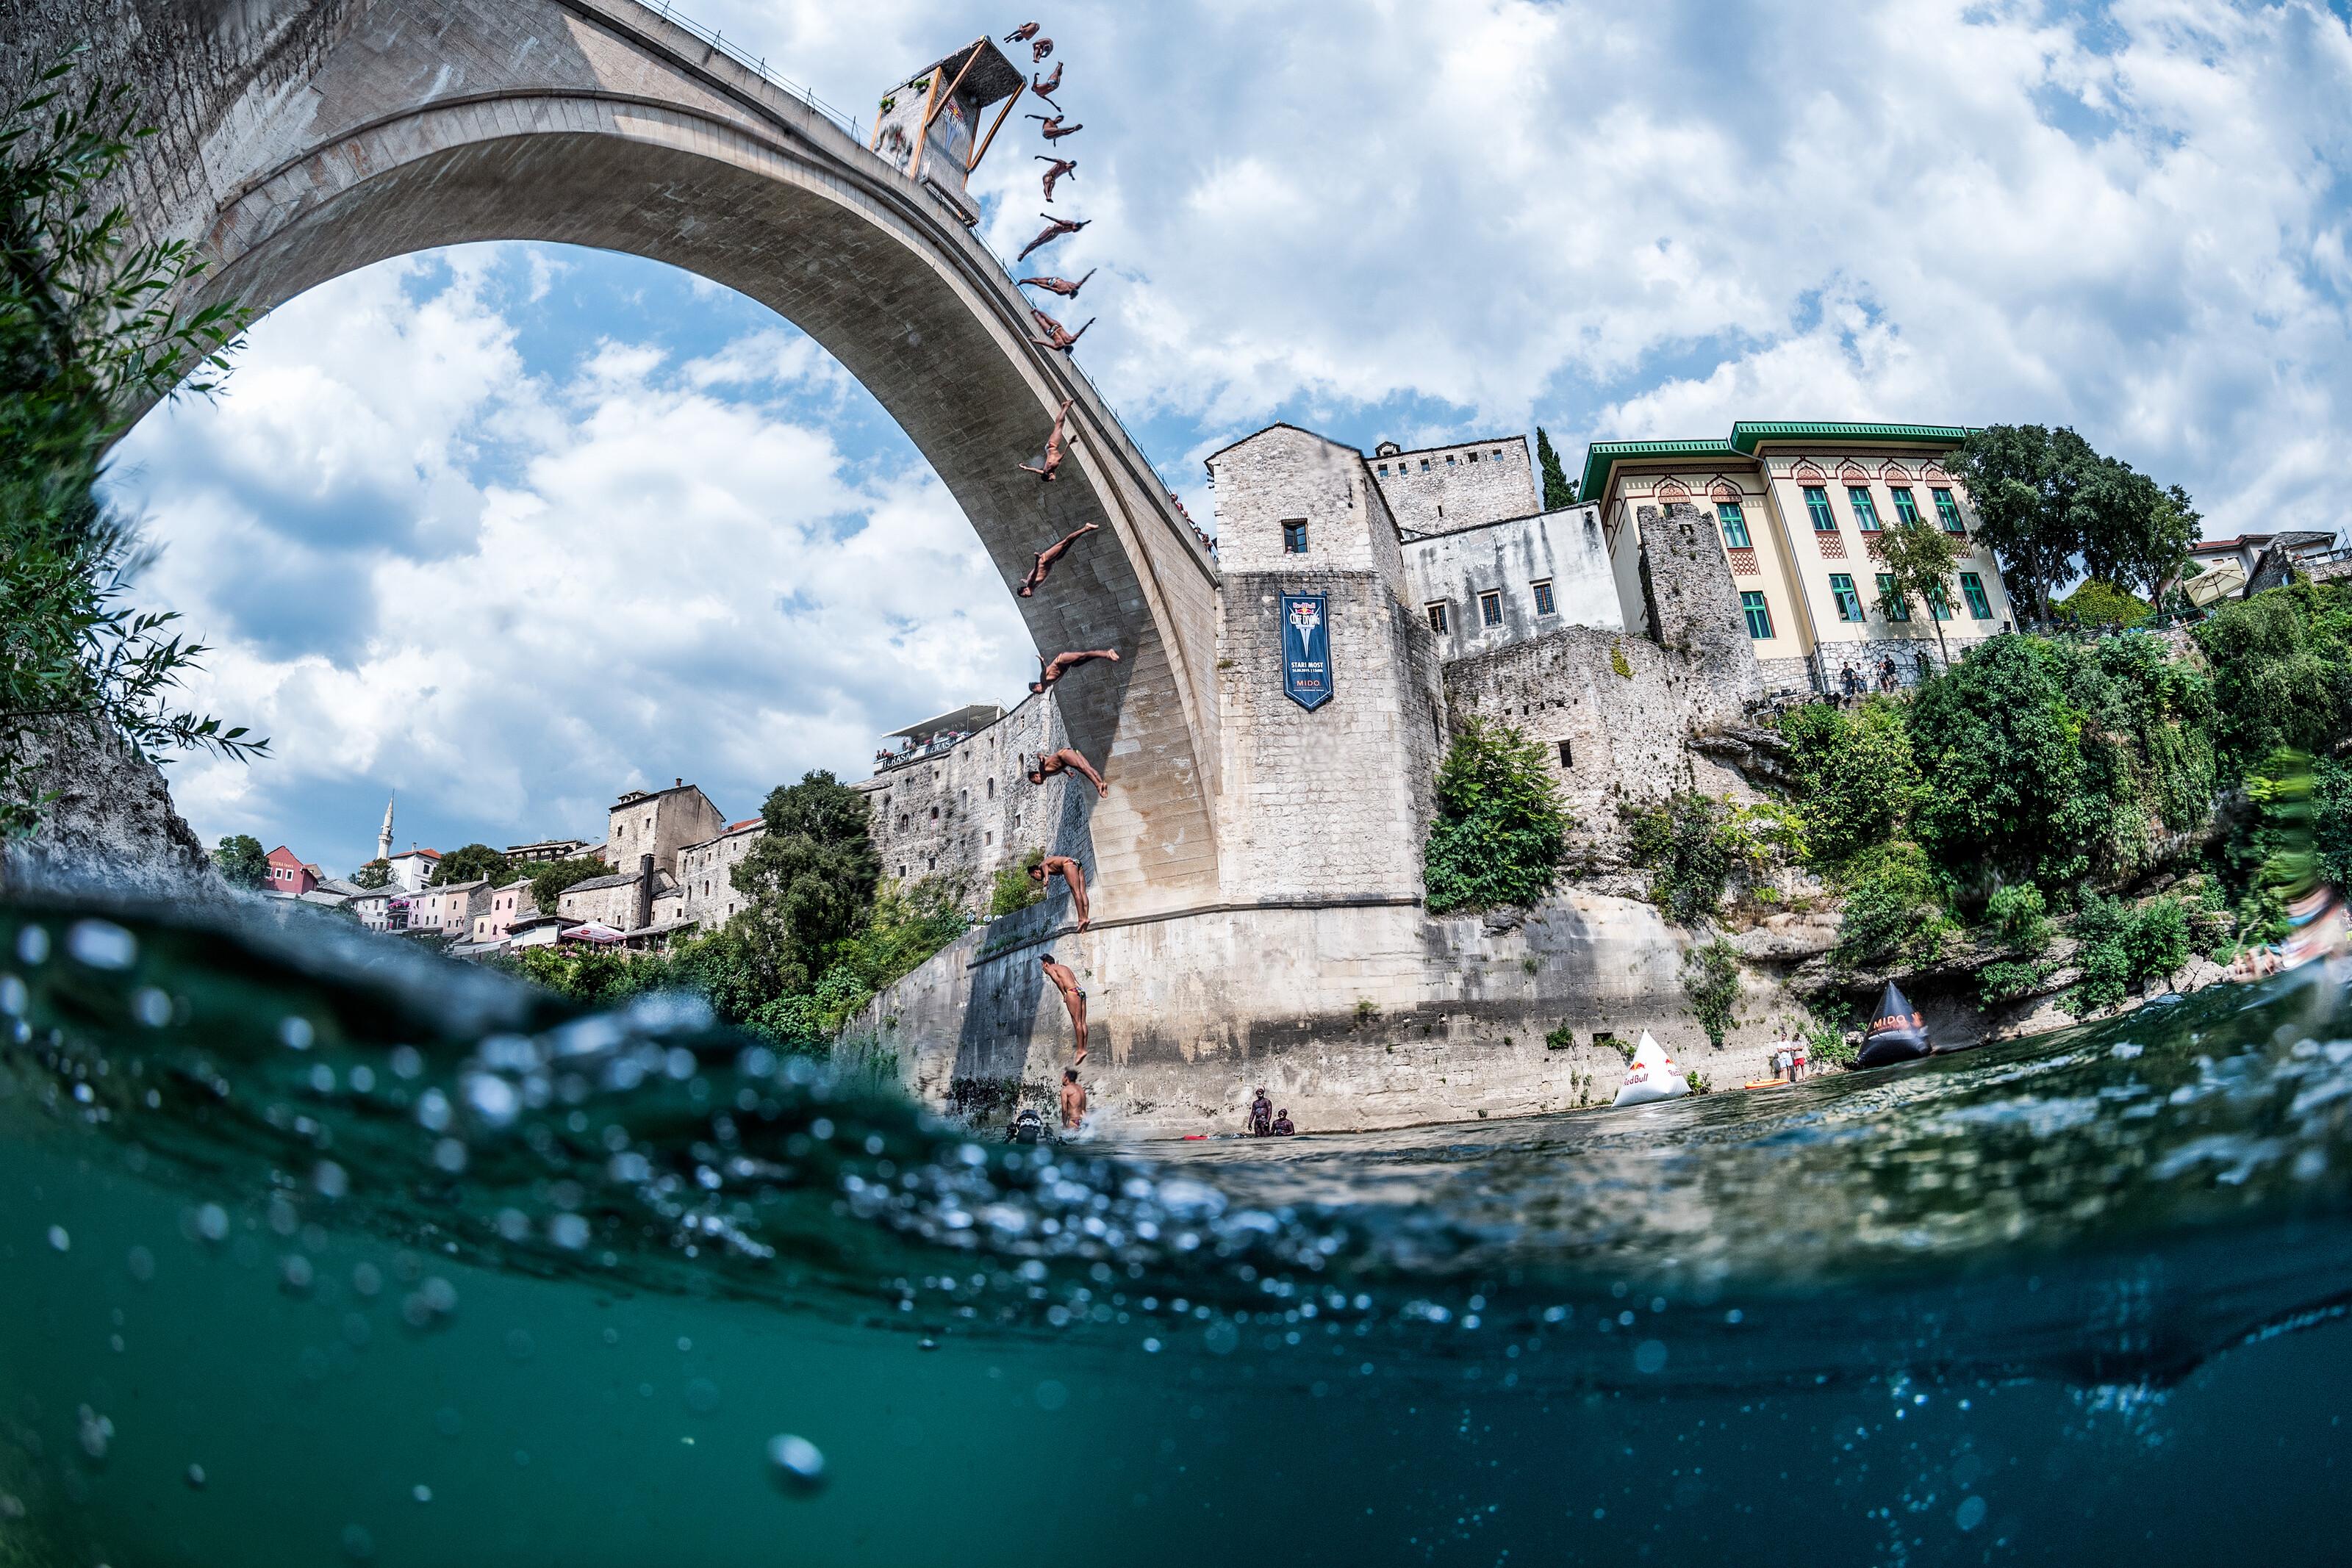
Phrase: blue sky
(509, 528)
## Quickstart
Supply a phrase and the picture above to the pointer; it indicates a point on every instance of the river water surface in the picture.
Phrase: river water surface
(315, 1249)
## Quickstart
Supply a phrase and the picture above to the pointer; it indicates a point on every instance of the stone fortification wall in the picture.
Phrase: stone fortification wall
(1335, 802)
(1563, 549)
(969, 811)
(1623, 706)
(1691, 606)
(1365, 1016)
(1436, 489)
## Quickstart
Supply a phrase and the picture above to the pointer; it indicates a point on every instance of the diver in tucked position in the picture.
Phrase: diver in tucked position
(1067, 761)
(1062, 663)
(1048, 556)
(1071, 874)
(1074, 998)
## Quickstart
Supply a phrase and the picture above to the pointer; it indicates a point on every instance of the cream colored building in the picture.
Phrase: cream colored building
(1796, 508)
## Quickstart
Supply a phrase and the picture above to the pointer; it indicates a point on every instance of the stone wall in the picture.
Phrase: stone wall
(1509, 558)
(1690, 605)
(112, 823)
(706, 880)
(1623, 706)
(1367, 1016)
(1436, 489)
(967, 811)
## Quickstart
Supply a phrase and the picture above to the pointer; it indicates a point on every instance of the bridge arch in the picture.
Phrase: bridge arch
(334, 135)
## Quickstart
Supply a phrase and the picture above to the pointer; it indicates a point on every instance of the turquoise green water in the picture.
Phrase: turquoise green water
(415, 1267)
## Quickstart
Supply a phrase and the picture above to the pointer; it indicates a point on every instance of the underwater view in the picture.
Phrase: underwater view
(319, 1249)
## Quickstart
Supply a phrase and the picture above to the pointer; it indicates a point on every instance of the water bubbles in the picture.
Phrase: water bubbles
(362, 1078)
(139, 1264)
(150, 1006)
(406, 1061)
(702, 1396)
(490, 1098)
(322, 1078)
(94, 1431)
(612, 1336)
(195, 1478)
(569, 1231)
(678, 1063)
(519, 1344)
(13, 998)
(1971, 1513)
(1650, 1356)
(513, 1225)
(58, 1239)
(283, 1219)
(433, 1110)
(449, 1155)
(33, 945)
(1222, 1338)
(102, 945)
(795, 1464)
(367, 1279)
(212, 1222)
(430, 1302)
(822, 1129)
(295, 1273)
(329, 1180)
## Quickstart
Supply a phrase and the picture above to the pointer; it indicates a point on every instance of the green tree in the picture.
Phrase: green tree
(1856, 781)
(469, 862)
(87, 340)
(1559, 489)
(1711, 982)
(1894, 911)
(2098, 602)
(1500, 831)
(548, 883)
(2022, 480)
(1920, 559)
(1998, 742)
(242, 861)
(1014, 889)
(811, 878)
(2281, 670)
(2136, 534)
(375, 873)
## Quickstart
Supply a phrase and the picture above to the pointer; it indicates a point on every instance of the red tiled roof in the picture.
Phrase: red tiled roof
(746, 822)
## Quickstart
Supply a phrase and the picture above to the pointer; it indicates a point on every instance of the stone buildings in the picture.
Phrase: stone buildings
(659, 823)
(954, 802)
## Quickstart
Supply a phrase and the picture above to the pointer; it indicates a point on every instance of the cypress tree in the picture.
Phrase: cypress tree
(1559, 489)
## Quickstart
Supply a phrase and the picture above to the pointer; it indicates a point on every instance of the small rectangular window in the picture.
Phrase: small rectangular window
(1474, 457)
(1490, 608)
(1437, 618)
(1947, 511)
(1425, 465)
(1294, 537)
(1896, 608)
(1906, 513)
(1449, 460)
(1384, 469)
(1567, 757)
(1544, 605)
(1735, 525)
(1849, 602)
(1972, 589)
(1817, 503)
(1864, 513)
(1939, 602)
(1758, 613)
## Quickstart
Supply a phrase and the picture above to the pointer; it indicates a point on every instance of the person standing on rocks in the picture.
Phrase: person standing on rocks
(1260, 1116)
(1073, 998)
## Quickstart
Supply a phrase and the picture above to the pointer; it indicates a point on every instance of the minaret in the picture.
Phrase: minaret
(384, 839)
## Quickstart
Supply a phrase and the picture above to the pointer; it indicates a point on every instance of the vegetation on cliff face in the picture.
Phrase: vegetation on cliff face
(88, 340)
(1501, 829)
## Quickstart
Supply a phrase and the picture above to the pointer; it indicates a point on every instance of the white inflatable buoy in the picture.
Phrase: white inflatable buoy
(1652, 1076)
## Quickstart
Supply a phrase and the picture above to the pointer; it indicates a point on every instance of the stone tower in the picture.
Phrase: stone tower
(1689, 600)
(383, 837)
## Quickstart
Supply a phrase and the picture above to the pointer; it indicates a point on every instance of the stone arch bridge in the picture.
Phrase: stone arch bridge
(300, 139)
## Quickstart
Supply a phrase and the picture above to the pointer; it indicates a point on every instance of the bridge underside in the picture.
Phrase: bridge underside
(316, 139)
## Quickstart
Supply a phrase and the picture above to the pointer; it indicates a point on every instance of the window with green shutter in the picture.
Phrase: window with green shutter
(1849, 602)
(1758, 613)
(1896, 608)
(1947, 511)
(1864, 513)
(1906, 512)
(1817, 502)
(1972, 589)
(1735, 526)
(1939, 602)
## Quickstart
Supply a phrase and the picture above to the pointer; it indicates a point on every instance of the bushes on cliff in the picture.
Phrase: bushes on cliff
(1895, 915)
(1694, 846)
(1014, 890)
(1856, 780)
(2281, 670)
(1500, 830)
(810, 879)
(86, 341)
(1711, 982)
